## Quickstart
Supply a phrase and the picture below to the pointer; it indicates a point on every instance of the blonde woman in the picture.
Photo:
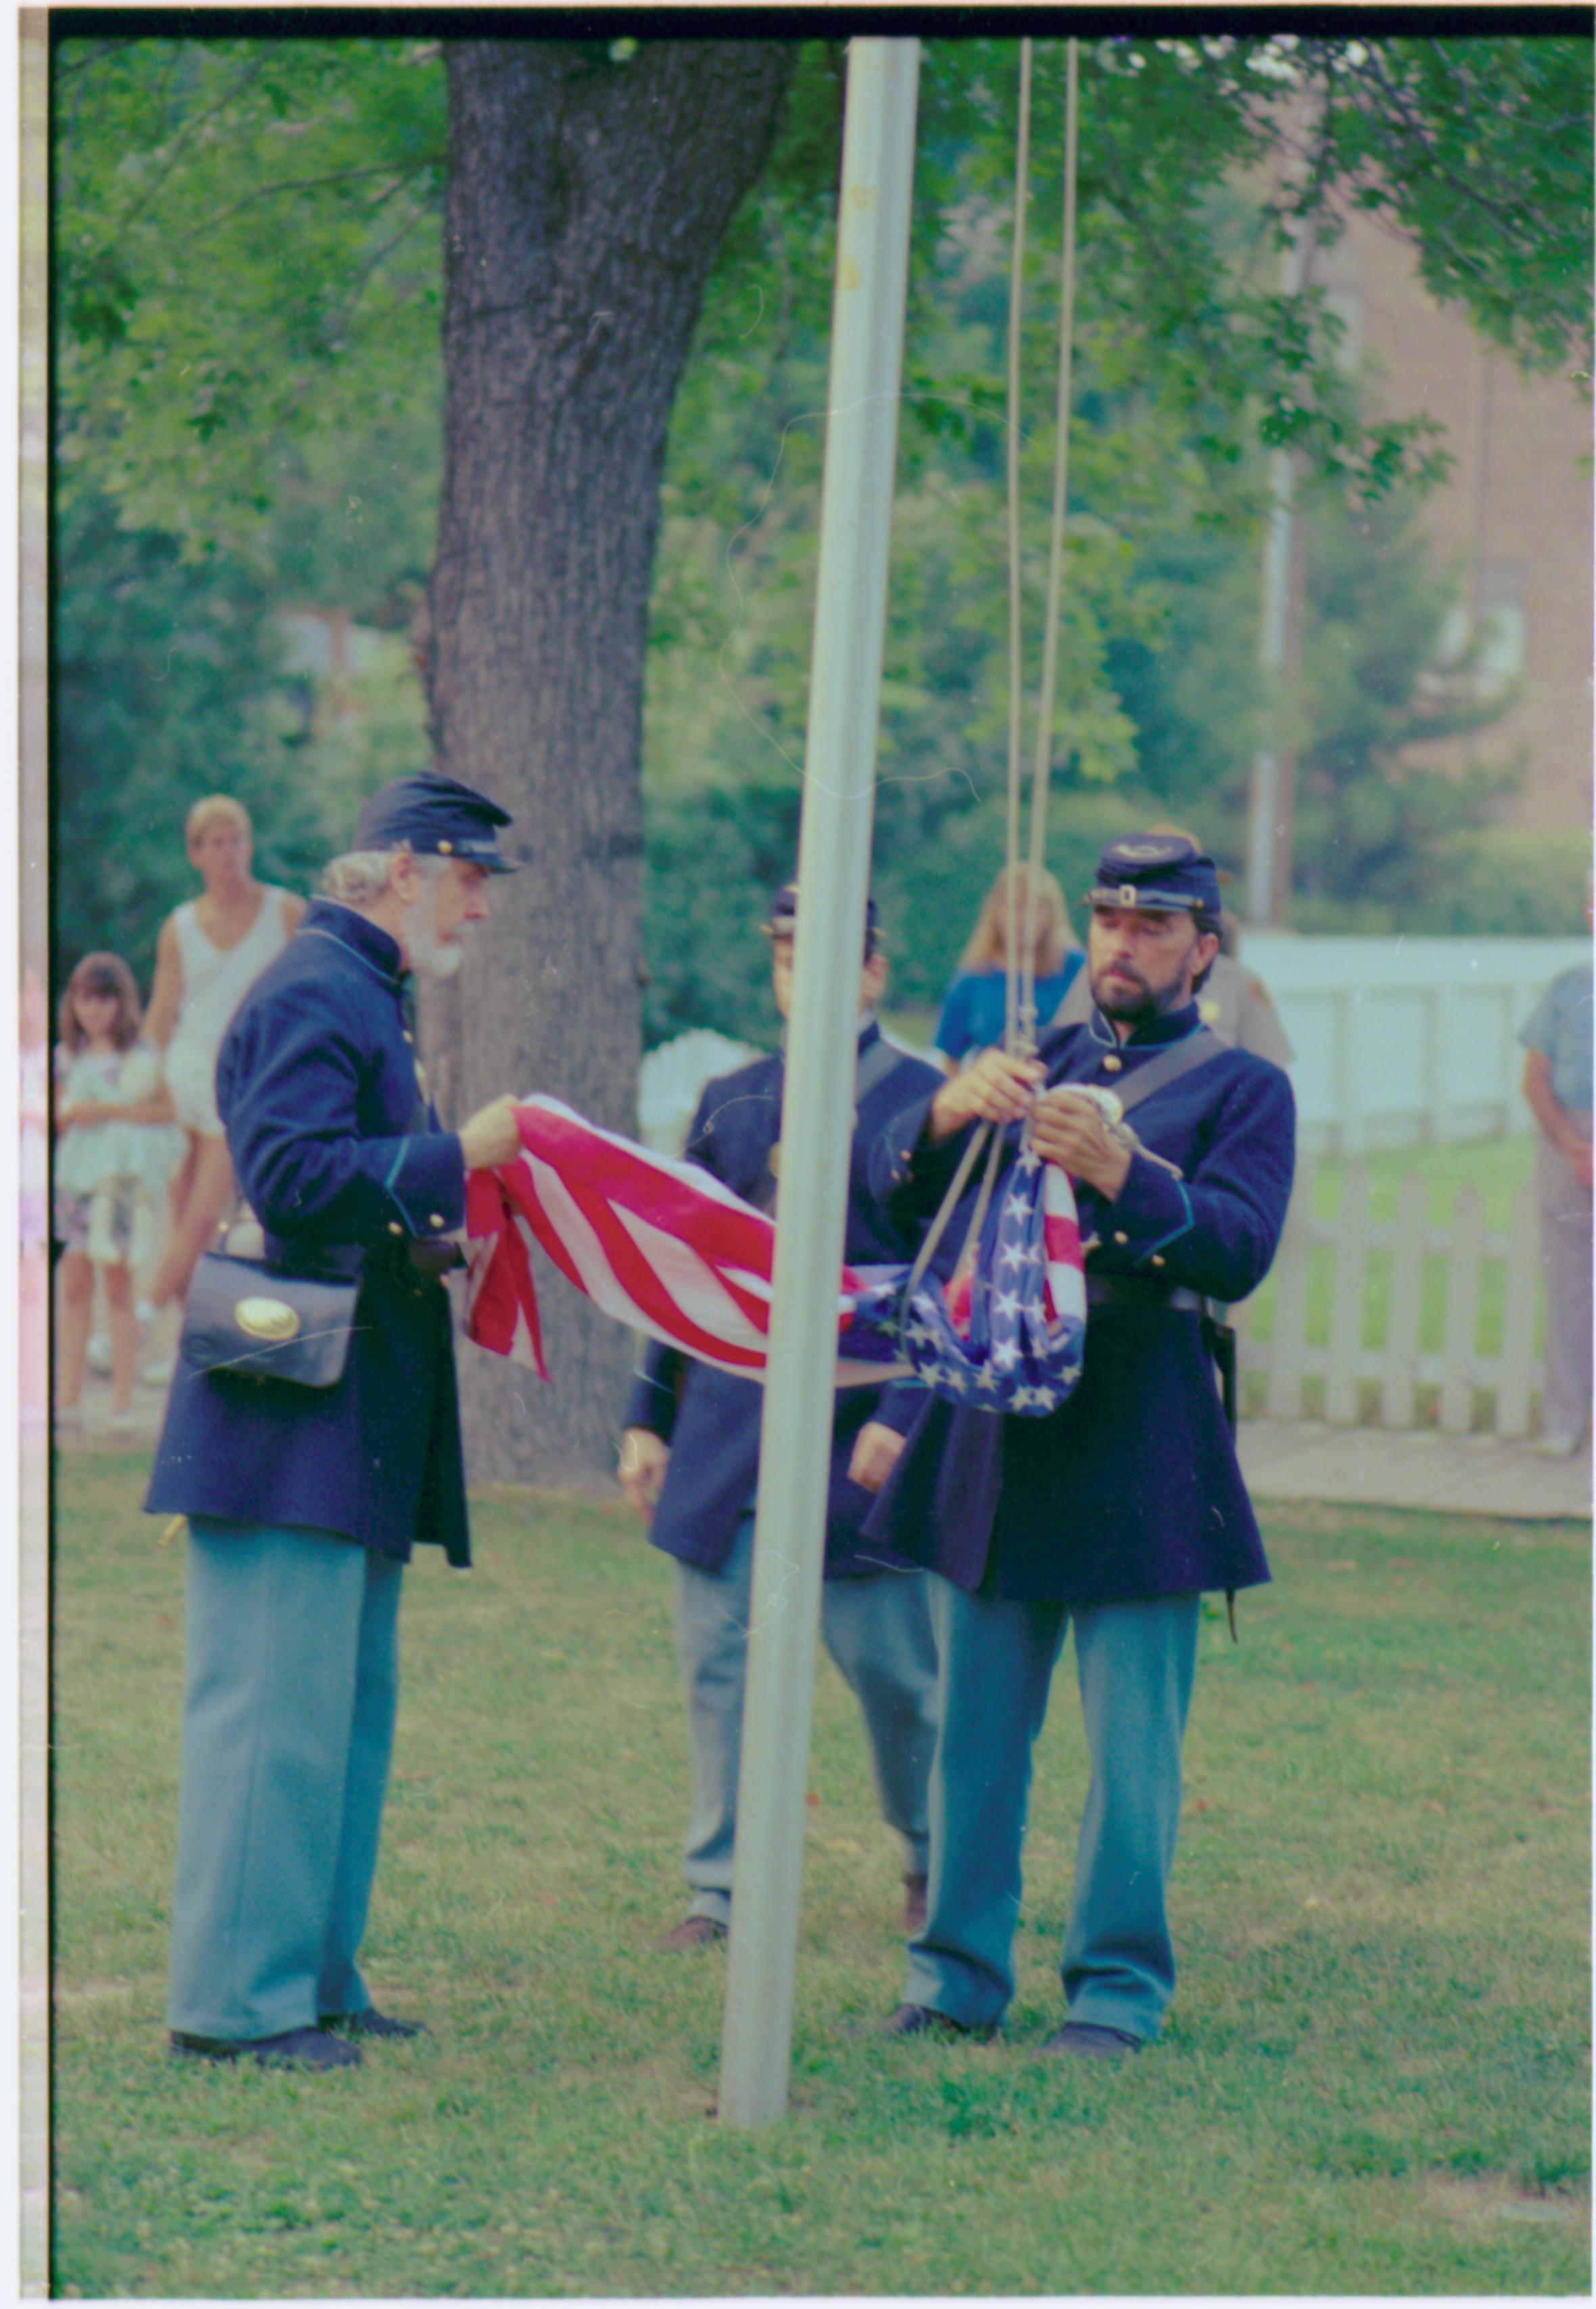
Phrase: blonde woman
(210, 953)
(973, 1011)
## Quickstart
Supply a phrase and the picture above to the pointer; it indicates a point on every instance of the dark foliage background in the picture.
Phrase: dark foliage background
(249, 396)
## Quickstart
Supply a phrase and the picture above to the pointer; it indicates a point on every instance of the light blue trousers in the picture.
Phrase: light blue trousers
(1135, 1662)
(878, 1631)
(289, 1696)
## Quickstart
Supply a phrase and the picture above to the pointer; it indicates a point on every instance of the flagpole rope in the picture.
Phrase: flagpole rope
(1016, 592)
(1041, 765)
(1019, 971)
(949, 1203)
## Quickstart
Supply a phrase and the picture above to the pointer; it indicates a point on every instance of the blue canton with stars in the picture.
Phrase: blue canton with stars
(1014, 1359)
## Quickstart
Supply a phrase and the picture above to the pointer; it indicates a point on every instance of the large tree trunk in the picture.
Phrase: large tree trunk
(587, 201)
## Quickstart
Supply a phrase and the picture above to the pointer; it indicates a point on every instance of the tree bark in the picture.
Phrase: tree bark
(586, 202)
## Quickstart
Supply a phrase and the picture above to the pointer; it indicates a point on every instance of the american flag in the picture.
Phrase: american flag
(1007, 1333)
(663, 1247)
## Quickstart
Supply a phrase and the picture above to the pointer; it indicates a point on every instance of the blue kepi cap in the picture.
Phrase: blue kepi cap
(782, 918)
(1156, 874)
(437, 817)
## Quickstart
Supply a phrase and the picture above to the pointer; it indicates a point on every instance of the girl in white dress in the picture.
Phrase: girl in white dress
(210, 953)
(113, 1157)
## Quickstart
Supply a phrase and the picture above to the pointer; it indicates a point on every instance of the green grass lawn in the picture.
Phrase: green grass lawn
(1373, 2079)
(1497, 1166)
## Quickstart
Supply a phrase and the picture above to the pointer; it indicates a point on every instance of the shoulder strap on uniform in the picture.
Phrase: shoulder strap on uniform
(1176, 1058)
(882, 1058)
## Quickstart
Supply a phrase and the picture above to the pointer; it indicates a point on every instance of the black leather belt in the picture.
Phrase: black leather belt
(347, 1261)
(341, 1262)
(433, 1258)
(1171, 1299)
(1138, 1290)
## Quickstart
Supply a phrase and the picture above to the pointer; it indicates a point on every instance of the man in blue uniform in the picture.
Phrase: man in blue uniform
(304, 1502)
(690, 1454)
(1116, 1511)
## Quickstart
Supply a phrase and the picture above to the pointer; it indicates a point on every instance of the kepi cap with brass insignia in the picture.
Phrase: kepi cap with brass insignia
(782, 916)
(1156, 874)
(435, 817)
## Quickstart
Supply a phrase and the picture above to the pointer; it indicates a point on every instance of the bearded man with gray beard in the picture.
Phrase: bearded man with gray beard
(305, 1495)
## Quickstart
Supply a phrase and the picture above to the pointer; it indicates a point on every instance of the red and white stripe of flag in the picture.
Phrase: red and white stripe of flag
(659, 1245)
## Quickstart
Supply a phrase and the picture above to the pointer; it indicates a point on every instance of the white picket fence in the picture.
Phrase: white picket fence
(1404, 1042)
(1352, 1377)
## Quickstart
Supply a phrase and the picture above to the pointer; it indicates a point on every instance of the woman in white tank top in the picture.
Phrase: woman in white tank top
(210, 954)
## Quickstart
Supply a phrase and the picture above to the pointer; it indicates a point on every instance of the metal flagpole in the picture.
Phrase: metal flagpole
(1266, 815)
(867, 318)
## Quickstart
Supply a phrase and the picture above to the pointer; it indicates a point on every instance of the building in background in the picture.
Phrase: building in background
(1514, 514)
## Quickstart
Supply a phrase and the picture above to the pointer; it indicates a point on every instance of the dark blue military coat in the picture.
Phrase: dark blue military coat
(344, 1163)
(1131, 1488)
(711, 1419)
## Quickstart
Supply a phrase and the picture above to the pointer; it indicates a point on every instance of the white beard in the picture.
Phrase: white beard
(425, 950)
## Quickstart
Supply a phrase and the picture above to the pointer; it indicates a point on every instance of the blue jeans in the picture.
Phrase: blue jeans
(878, 1631)
(1135, 1662)
(290, 1693)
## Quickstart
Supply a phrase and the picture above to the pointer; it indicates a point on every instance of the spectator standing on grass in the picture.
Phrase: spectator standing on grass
(115, 1151)
(1557, 1086)
(689, 1459)
(210, 953)
(304, 1502)
(973, 1011)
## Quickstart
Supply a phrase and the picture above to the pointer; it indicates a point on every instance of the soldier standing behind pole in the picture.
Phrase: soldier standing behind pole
(304, 1499)
(691, 1455)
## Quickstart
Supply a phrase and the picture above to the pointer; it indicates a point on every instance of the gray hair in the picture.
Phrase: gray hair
(360, 877)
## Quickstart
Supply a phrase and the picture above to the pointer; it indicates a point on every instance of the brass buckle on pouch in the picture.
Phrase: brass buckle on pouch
(243, 1319)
